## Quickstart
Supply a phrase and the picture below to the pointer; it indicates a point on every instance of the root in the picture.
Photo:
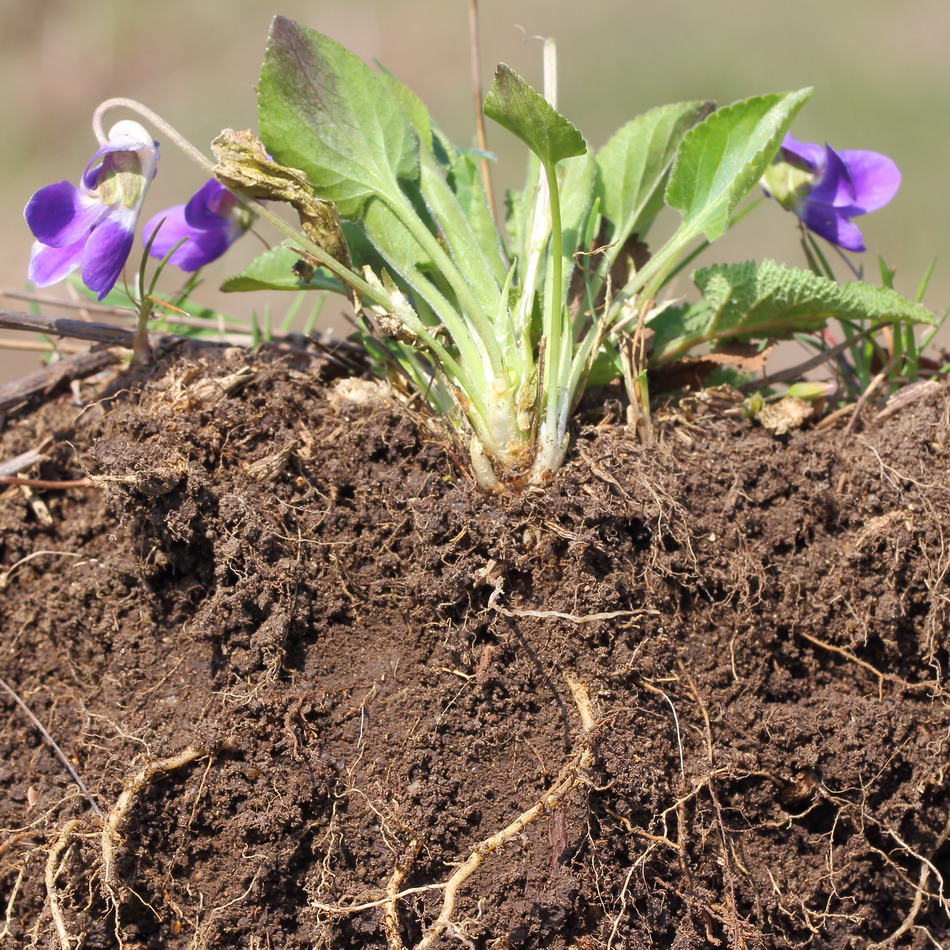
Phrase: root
(11, 901)
(498, 584)
(733, 921)
(391, 907)
(569, 778)
(926, 869)
(111, 839)
(53, 867)
(924, 686)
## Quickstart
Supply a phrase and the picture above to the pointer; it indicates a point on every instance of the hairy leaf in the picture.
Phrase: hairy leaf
(634, 163)
(772, 301)
(722, 159)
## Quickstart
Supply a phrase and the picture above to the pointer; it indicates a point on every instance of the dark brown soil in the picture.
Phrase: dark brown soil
(302, 666)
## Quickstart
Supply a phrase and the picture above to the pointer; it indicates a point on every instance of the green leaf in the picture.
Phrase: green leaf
(514, 105)
(415, 109)
(577, 191)
(634, 163)
(750, 301)
(393, 240)
(465, 180)
(322, 110)
(722, 159)
(275, 270)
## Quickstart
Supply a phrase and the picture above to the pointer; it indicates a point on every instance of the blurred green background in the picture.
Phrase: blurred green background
(880, 69)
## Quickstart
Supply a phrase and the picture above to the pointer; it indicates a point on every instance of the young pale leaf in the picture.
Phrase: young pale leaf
(278, 269)
(323, 110)
(633, 165)
(514, 105)
(722, 159)
(750, 301)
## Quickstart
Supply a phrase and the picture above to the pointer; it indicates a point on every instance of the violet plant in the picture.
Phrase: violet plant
(195, 234)
(500, 327)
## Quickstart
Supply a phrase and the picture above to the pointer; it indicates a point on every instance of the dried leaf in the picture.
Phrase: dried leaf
(244, 166)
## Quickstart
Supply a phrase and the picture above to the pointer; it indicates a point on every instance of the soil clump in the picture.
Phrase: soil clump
(324, 693)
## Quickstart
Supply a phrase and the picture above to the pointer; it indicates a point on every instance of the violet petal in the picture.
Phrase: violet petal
(835, 186)
(201, 246)
(832, 224)
(205, 206)
(60, 215)
(106, 251)
(51, 264)
(876, 179)
(804, 154)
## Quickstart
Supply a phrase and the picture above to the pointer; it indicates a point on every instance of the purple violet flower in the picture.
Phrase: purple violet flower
(93, 225)
(211, 221)
(826, 188)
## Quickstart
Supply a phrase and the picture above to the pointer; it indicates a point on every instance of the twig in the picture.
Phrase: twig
(51, 742)
(49, 300)
(64, 326)
(794, 372)
(43, 381)
(38, 346)
(480, 135)
(23, 461)
(907, 396)
(865, 396)
(45, 482)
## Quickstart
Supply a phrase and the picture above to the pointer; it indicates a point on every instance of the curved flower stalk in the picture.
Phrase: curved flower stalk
(211, 221)
(826, 189)
(92, 226)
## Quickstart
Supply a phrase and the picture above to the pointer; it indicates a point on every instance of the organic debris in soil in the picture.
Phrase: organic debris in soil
(326, 694)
